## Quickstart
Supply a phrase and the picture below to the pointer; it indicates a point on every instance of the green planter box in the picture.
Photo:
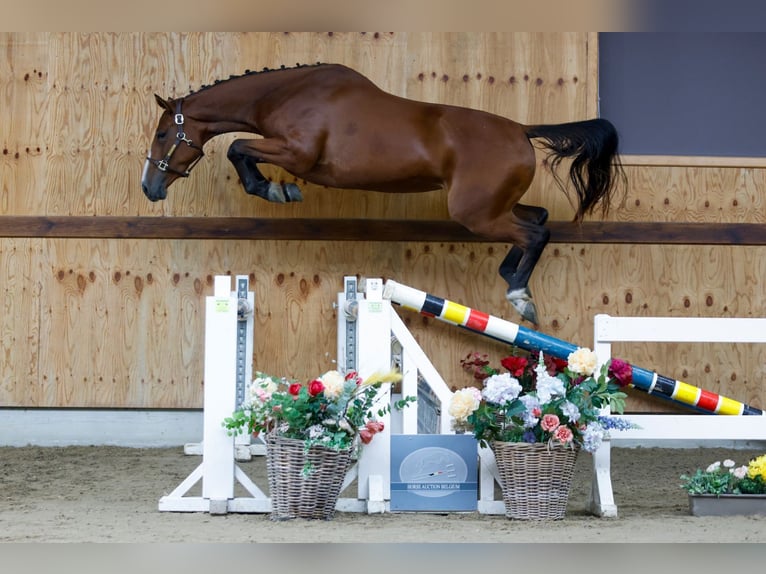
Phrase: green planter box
(727, 504)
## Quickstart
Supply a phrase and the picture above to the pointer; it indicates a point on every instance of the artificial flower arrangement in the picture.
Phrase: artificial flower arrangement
(329, 411)
(728, 478)
(547, 400)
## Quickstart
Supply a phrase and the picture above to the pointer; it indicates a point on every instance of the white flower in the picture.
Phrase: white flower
(739, 472)
(531, 403)
(260, 390)
(728, 463)
(315, 431)
(592, 437)
(464, 402)
(582, 361)
(333, 383)
(571, 411)
(713, 467)
(500, 389)
(549, 387)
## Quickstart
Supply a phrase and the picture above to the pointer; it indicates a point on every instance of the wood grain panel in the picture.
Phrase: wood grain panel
(693, 194)
(112, 311)
(19, 322)
(24, 136)
(121, 322)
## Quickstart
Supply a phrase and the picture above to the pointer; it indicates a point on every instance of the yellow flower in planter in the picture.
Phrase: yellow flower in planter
(757, 468)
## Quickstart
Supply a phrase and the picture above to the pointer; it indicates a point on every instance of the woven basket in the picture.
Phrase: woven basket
(535, 478)
(295, 493)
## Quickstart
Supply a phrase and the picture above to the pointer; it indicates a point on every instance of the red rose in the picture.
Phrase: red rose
(622, 371)
(294, 389)
(554, 365)
(515, 365)
(315, 387)
(374, 426)
(365, 436)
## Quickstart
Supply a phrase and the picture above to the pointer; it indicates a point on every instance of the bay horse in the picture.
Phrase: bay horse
(329, 125)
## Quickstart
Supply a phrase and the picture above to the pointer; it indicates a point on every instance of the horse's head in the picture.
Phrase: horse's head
(175, 149)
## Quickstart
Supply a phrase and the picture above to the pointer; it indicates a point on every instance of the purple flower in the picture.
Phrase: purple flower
(529, 436)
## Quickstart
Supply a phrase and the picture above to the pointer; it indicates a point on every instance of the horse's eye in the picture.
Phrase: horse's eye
(161, 135)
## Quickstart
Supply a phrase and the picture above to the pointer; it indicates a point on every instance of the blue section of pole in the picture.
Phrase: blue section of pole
(530, 340)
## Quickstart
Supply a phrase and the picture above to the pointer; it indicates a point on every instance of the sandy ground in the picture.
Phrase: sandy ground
(111, 494)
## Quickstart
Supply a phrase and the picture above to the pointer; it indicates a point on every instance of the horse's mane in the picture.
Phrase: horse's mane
(246, 73)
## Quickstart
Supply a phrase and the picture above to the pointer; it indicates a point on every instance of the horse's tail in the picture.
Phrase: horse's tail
(596, 166)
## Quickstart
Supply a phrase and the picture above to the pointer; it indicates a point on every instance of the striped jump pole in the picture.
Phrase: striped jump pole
(506, 331)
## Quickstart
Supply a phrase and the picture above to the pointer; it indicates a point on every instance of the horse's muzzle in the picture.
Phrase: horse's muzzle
(154, 194)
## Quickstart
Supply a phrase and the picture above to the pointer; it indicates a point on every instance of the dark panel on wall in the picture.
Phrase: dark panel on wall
(685, 93)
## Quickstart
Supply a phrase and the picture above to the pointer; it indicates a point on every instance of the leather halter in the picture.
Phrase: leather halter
(164, 164)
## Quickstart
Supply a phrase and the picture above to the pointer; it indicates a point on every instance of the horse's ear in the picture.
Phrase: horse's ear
(163, 103)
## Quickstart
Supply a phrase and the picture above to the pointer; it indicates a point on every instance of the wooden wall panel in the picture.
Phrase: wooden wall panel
(118, 323)
(19, 321)
(24, 135)
(693, 194)
(121, 320)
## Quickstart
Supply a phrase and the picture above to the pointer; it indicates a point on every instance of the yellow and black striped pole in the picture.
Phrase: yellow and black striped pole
(499, 329)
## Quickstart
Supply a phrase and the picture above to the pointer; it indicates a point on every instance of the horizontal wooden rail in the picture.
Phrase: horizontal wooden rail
(108, 227)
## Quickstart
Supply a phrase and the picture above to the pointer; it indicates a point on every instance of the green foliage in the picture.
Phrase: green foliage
(333, 410)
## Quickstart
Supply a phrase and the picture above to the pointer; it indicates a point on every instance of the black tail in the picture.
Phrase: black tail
(596, 165)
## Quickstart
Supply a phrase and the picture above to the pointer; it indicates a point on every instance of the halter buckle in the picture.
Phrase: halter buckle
(162, 165)
(179, 119)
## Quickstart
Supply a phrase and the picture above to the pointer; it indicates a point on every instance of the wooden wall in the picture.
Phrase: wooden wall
(115, 319)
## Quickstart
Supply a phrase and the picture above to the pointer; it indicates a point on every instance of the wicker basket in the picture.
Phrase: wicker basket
(535, 478)
(298, 494)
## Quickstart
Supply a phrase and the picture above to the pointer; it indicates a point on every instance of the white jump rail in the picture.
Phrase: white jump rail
(670, 427)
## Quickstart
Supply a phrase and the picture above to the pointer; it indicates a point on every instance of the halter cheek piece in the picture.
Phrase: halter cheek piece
(164, 163)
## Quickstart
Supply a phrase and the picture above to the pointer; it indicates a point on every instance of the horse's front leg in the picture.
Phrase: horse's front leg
(243, 159)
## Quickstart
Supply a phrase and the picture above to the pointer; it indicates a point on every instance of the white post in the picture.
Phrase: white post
(374, 355)
(218, 471)
(219, 394)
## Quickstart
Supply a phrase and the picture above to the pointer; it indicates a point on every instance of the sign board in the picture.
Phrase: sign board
(434, 473)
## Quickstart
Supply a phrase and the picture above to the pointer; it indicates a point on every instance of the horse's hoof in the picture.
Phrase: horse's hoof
(276, 193)
(292, 192)
(521, 300)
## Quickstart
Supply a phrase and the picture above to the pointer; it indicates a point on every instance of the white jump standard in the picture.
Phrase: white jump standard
(218, 471)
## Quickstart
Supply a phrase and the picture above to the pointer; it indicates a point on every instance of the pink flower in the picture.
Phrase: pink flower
(549, 422)
(563, 434)
(365, 436)
(374, 426)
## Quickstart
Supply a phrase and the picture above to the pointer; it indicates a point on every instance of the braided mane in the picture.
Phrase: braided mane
(246, 73)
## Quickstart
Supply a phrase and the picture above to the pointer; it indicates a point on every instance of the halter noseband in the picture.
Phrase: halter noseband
(164, 164)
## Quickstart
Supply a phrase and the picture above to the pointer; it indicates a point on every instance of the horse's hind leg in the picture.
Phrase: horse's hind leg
(253, 180)
(518, 293)
(523, 227)
(535, 215)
